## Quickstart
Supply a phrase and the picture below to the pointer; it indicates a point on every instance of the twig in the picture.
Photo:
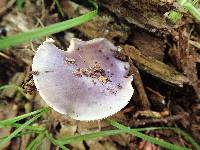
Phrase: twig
(144, 102)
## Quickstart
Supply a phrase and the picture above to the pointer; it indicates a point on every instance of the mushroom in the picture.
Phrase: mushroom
(86, 82)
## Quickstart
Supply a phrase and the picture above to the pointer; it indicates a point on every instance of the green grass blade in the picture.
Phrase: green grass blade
(40, 32)
(194, 2)
(59, 8)
(161, 143)
(15, 133)
(190, 7)
(2, 87)
(79, 138)
(36, 142)
(56, 142)
(18, 88)
(20, 134)
(193, 10)
(12, 120)
(36, 129)
(94, 3)
(187, 137)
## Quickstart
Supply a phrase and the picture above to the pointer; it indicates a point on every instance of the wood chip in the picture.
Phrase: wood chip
(155, 67)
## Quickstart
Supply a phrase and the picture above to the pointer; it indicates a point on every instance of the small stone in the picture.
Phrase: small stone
(103, 79)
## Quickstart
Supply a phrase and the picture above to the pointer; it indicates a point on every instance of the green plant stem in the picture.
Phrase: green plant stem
(164, 144)
(36, 129)
(36, 142)
(191, 8)
(59, 8)
(20, 134)
(188, 138)
(56, 142)
(79, 138)
(194, 2)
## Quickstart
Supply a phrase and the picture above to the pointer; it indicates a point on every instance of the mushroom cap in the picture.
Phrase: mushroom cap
(86, 82)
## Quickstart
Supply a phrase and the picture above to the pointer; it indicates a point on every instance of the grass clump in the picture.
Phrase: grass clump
(43, 133)
(8, 122)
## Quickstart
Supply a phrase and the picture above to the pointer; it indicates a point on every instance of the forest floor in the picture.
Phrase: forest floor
(165, 67)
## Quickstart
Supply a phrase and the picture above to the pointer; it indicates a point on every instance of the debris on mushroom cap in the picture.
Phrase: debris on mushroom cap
(86, 83)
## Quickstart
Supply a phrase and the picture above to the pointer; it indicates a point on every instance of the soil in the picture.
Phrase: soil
(164, 64)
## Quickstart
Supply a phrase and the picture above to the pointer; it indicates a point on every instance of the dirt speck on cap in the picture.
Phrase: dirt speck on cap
(70, 60)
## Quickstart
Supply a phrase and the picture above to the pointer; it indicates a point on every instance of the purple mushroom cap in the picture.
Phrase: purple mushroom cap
(86, 82)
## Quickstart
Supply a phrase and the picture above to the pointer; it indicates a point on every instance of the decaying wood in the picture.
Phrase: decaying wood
(155, 67)
(102, 25)
(143, 99)
(148, 44)
(186, 58)
(146, 14)
(148, 114)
